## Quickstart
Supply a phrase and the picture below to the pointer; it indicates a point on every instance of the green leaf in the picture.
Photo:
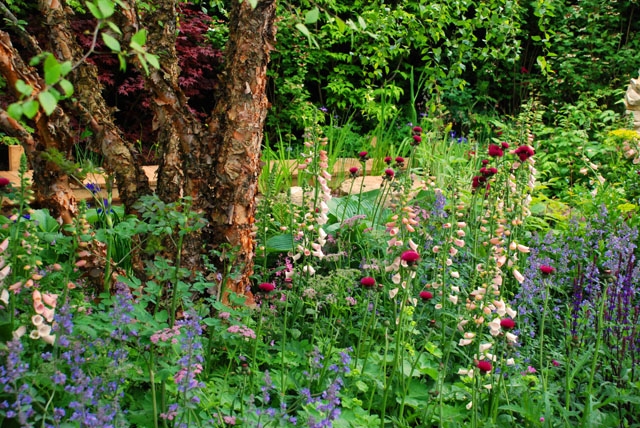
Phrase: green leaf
(114, 28)
(48, 102)
(153, 60)
(341, 25)
(253, 3)
(67, 87)
(123, 63)
(65, 68)
(626, 207)
(303, 29)
(139, 38)
(30, 108)
(280, 243)
(312, 16)
(23, 88)
(106, 7)
(52, 70)
(45, 222)
(94, 10)
(111, 42)
(143, 62)
(15, 111)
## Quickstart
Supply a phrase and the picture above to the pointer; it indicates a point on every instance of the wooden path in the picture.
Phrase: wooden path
(341, 166)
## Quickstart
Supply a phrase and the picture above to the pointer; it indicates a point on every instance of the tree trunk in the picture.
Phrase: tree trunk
(50, 183)
(121, 157)
(217, 166)
(236, 126)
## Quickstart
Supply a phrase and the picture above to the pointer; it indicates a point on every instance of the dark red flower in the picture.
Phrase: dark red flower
(485, 162)
(417, 129)
(400, 159)
(267, 287)
(488, 172)
(388, 160)
(507, 323)
(475, 182)
(4, 182)
(524, 70)
(367, 281)
(389, 173)
(410, 256)
(426, 295)
(353, 170)
(495, 151)
(484, 366)
(363, 155)
(417, 139)
(505, 145)
(546, 270)
(524, 152)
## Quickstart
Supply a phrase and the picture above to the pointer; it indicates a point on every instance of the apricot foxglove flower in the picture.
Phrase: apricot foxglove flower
(519, 277)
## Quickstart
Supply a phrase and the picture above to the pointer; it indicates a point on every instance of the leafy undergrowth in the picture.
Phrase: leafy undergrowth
(439, 299)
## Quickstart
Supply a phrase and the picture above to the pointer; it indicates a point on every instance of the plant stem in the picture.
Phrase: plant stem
(174, 297)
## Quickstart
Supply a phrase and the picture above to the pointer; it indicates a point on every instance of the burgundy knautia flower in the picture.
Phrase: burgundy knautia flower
(4, 182)
(389, 173)
(485, 162)
(475, 182)
(267, 287)
(354, 171)
(426, 295)
(507, 323)
(546, 270)
(417, 129)
(495, 151)
(410, 257)
(416, 140)
(505, 145)
(388, 160)
(367, 281)
(484, 366)
(488, 172)
(524, 152)
(400, 160)
(363, 155)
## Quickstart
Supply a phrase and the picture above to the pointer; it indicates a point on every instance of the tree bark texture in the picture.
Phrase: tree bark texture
(236, 126)
(91, 108)
(217, 165)
(50, 184)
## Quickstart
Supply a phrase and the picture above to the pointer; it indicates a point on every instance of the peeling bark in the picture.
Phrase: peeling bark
(50, 184)
(120, 155)
(236, 126)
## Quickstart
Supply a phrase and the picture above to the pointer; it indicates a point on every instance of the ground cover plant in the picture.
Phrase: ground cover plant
(415, 260)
